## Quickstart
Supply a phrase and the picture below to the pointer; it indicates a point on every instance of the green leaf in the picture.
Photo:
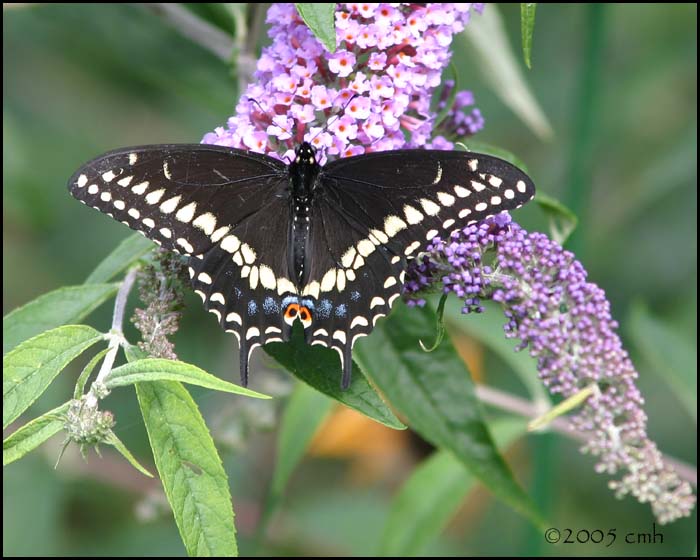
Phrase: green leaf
(434, 392)
(305, 411)
(673, 357)
(156, 369)
(501, 71)
(85, 374)
(491, 150)
(320, 18)
(432, 495)
(527, 27)
(320, 368)
(189, 466)
(114, 441)
(487, 328)
(31, 367)
(32, 434)
(439, 327)
(64, 306)
(122, 257)
(562, 221)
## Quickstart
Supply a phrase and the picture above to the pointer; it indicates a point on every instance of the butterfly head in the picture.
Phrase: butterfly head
(305, 153)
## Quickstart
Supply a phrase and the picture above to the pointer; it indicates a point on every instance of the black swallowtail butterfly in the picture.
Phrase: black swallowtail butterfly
(269, 243)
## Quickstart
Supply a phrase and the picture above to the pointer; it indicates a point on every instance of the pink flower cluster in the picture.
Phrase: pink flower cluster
(372, 94)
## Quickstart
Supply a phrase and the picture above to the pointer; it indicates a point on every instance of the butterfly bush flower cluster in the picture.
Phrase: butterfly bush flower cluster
(372, 94)
(566, 323)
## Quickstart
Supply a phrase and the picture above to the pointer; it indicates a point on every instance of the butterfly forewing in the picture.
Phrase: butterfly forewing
(415, 195)
(181, 196)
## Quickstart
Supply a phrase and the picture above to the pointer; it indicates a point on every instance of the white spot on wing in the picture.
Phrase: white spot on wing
(206, 222)
(313, 289)
(92, 189)
(429, 207)
(108, 176)
(432, 233)
(390, 282)
(340, 280)
(446, 199)
(134, 213)
(234, 318)
(461, 192)
(119, 204)
(125, 181)
(328, 280)
(473, 164)
(133, 158)
(340, 335)
(267, 277)
(248, 254)
(252, 332)
(365, 247)
(478, 187)
(169, 206)
(284, 286)
(509, 194)
(218, 296)
(219, 233)
(393, 225)
(439, 174)
(254, 276)
(186, 213)
(166, 170)
(155, 196)
(106, 196)
(495, 181)
(413, 216)
(359, 321)
(375, 302)
(495, 200)
(185, 245)
(165, 232)
(230, 243)
(481, 207)
(520, 185)
(82, 181)
(348, 257)
(140, 188)
(148, 222)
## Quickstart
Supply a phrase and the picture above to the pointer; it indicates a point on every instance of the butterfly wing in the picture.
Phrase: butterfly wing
(225, 209)
(374, 211)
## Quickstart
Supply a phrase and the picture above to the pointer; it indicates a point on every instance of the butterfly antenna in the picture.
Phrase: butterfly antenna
(333, 118)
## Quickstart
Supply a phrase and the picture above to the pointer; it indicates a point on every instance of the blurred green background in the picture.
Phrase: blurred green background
(619, 85)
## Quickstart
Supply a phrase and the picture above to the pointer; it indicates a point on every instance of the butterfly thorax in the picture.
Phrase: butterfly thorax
(302, 176)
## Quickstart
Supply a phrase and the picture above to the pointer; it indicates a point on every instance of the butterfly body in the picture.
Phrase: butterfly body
(269, 244)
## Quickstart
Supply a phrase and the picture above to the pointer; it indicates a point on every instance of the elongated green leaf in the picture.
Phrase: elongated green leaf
(32, 434)
(527, 27)
(434, 392)
(432, 495)
(562, 221)
(64, 306)
(305, 411)
(189, 466)
(500, 69)
(31, 367)
(320, 18)
(155, 369)
(487, 328)
(114, 441)
(122, 257)
(673, 358)
(320, 368)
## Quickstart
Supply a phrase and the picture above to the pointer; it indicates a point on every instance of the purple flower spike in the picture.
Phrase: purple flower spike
(566, 324)
(378, 83)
